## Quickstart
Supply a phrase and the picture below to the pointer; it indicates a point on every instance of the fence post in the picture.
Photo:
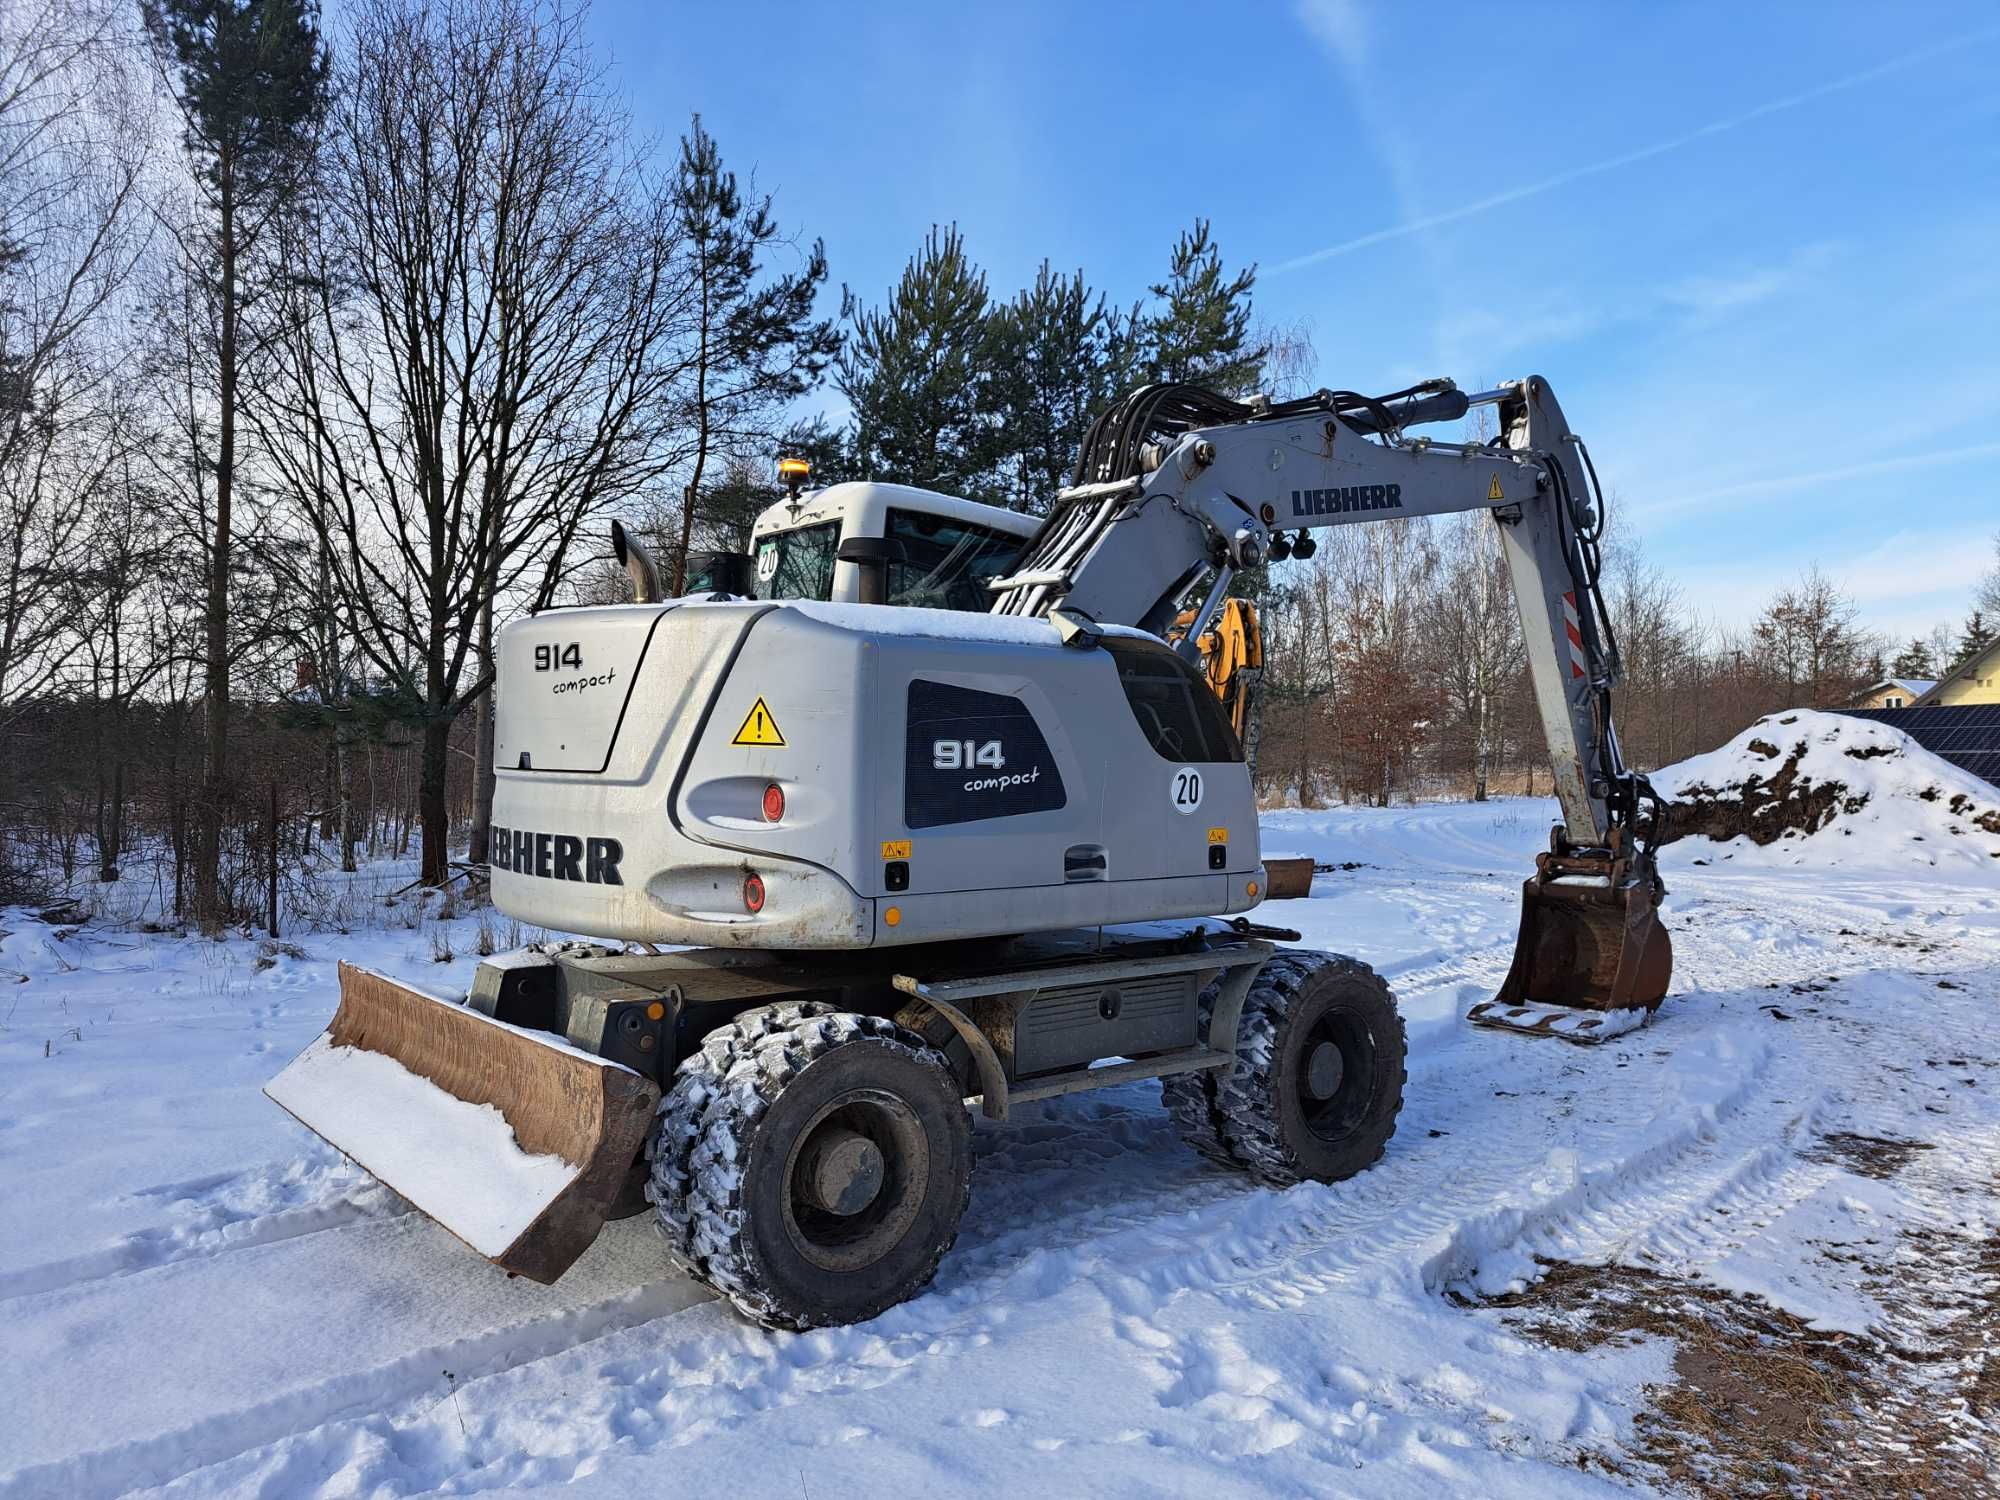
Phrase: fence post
(271, 871)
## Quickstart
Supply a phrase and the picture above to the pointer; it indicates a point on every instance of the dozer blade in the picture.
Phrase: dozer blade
(1592, 960)
(513, 1140)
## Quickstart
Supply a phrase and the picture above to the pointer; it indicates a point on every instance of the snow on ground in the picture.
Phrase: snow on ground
(198, 1297)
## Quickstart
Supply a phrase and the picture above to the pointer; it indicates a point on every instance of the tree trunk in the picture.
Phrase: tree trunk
(215, 698)
(271, 869)
(482, 724)
(431, 808)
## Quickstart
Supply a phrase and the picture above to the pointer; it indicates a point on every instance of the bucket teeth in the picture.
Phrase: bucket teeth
(1584, 1027)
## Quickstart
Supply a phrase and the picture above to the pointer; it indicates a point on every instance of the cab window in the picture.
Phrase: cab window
(798, 564)
(944, 564)
(1177, 712)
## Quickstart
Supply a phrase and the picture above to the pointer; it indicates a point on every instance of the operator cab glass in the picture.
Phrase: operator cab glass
(798, 564)
(1177, 711)
(939, 563)
(934, 562)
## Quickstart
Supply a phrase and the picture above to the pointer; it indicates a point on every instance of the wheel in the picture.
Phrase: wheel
(1319, 1075)
(677, 1122)
(829, 1171)
(1191, 1100)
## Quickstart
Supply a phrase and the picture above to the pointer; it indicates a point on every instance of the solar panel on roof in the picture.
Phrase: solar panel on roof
(1968, 735)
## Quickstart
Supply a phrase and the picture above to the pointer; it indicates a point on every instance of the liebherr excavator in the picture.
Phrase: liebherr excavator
(927, 858)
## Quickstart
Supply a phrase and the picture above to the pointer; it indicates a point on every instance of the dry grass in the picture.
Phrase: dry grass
(1761, 1404)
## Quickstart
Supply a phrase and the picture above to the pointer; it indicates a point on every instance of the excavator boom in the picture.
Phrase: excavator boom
(1179, 488)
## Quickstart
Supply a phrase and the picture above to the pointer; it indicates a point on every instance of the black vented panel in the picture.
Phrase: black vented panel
(1067, 1028)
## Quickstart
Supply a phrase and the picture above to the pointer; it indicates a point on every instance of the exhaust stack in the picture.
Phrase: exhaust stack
(638, 565)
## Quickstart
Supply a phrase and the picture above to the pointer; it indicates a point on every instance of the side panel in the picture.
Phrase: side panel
(602, 854)
(732, 701)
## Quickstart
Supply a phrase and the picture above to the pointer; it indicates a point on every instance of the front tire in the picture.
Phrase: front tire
(828, 1170)
(1320, 1070)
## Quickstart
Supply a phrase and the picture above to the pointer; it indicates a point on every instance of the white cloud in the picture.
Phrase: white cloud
(1904, 583)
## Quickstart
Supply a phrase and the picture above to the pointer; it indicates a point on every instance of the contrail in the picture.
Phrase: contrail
(1643, 153)
(1825, 476)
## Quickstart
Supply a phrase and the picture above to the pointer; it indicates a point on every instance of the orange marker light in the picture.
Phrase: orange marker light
(892, 916)
(1252, 889)
(656, 1011)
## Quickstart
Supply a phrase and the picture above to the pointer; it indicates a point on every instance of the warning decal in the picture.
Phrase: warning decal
(759, 728)
(1493, 491)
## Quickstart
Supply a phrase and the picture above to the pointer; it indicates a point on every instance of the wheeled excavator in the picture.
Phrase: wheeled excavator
(909, 860)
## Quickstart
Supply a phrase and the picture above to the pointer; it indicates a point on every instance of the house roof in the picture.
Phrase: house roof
(1916, 687)
(1974, 665)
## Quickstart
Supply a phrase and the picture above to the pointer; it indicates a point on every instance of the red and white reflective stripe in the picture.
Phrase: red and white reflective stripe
(1577, 665)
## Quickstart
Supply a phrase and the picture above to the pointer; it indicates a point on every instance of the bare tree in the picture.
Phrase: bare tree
(1472, 632)
(72, 151)
(249, 78)
(489, 345)
(1807, 641)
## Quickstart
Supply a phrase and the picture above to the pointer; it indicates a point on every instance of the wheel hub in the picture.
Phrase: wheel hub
(855, 1179)
(1324, 1070)
(840, 1170)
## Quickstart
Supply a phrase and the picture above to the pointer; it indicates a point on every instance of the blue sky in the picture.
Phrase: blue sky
(1754, 248)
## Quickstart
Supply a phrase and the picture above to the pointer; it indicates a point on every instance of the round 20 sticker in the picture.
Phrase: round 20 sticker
(1185, 790)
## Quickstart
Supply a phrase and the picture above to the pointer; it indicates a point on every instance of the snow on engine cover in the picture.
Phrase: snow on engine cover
(937, 775)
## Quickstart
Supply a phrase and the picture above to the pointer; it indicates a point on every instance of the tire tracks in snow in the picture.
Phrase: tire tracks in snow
(1096, 1193)
(359, 1199)
(166, 1456)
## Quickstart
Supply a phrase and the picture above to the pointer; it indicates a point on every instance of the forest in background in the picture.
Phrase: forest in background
(327, 346)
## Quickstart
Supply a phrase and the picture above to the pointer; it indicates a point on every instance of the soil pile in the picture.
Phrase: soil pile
(1804, 787)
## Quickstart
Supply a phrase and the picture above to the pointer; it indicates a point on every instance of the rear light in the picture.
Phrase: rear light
(753, 893)
(774, 803)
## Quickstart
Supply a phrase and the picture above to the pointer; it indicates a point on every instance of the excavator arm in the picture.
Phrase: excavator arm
(1178, 489)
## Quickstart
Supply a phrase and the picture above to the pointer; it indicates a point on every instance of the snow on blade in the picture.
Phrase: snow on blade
(459, 1161)
(1809, 788)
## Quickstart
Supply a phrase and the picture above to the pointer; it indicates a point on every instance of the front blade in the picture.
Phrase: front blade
(511, 1139)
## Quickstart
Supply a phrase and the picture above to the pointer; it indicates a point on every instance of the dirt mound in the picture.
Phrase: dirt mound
(1825, 788)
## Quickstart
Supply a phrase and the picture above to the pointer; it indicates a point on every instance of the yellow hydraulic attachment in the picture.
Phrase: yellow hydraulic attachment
(1232, 659)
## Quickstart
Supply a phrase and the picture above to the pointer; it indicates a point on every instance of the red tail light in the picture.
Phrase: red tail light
(753, 893)
(774, 803)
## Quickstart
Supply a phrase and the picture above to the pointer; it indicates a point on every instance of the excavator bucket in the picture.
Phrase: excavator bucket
(1592, 960)
(513, 1140)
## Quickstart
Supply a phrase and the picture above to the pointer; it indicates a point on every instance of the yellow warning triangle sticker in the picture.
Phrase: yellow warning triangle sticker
(759, 728)
(1493, 490)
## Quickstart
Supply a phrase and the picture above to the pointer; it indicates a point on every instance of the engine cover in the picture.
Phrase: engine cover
(938, 776)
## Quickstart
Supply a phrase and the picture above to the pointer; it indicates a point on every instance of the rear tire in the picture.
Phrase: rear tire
(677, 1124)
(828, 1170)
(1319, 1075)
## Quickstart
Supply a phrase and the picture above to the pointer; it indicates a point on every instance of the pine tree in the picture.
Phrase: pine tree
(1062, 357)
(1200, 335)
(756, 347)
(922, 379)
(1976, 636)
(1913, 661)
(250, 80)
